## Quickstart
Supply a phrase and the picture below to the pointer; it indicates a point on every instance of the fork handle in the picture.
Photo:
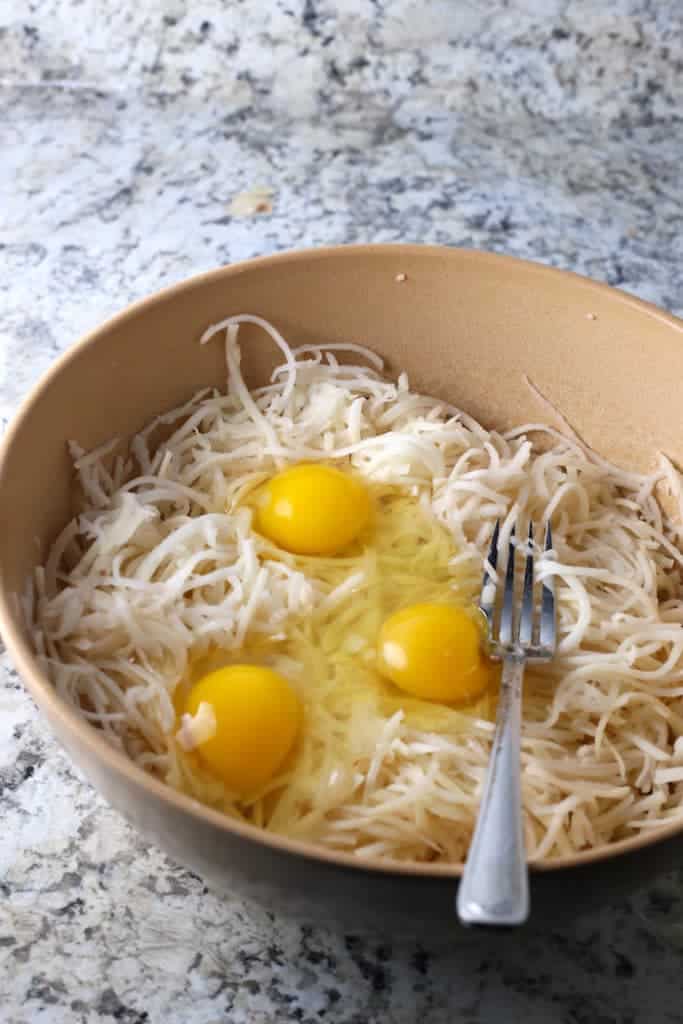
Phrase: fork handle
(494, 889)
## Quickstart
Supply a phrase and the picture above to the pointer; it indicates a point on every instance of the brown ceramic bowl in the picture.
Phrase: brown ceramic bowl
(466, 326)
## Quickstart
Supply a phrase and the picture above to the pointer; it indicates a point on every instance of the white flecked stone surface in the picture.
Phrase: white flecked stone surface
(548, 129)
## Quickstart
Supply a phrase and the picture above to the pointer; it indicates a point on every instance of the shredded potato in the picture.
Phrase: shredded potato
(196, 729)
(161, 574)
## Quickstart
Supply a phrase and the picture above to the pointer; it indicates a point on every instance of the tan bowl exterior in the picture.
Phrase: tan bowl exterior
(467, 326)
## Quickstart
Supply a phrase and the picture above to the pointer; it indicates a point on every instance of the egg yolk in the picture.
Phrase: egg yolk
(312, 510)
(258, 716)
(433, 651)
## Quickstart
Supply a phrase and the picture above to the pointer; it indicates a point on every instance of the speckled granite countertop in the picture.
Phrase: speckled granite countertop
(548, 129)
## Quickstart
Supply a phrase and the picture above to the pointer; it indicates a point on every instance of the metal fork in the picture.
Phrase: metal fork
(494, 889)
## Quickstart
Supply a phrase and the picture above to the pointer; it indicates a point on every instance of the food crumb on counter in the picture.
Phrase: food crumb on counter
(254, 201)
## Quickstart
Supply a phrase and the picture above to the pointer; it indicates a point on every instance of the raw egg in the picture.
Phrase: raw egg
(433, 651)
(257, 715)
(312, 509)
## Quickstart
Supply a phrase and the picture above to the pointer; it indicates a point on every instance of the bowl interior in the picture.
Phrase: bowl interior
(467, 327)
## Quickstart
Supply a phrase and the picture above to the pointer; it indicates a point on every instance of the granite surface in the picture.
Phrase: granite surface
(549, 129)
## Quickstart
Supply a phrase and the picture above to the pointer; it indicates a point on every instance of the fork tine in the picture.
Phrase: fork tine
(487, 599)
(526, 620)
(547, 637)
(508, 610)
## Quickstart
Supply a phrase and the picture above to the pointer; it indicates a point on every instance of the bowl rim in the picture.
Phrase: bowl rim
(87, 736)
